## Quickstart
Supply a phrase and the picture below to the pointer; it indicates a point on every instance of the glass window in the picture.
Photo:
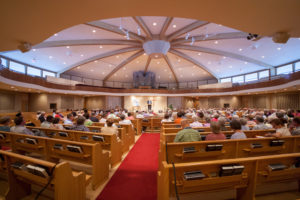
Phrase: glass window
(3, 62)
(297, 66)
(263, 74)
(17, 67)
(46, 73)
(225, 80)
(238, 79)
(251, 77)
(284, 69)
(33, 71)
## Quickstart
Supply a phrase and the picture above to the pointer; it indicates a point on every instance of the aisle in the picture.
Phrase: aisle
(136, 177)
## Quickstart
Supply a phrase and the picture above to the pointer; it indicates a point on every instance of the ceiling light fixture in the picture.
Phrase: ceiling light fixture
(64, 63)
(199, 54)
(154, 24)
(174, 26)
(216, 42)
(50, 57)
(68, 47)
(246, 63)
(81, 55)
(240, 49)
(139, 30)
(96, 61)
(100, 47)
(33, 49)
(94, 31)
(55, 34)
(278, 48)
(262, 56)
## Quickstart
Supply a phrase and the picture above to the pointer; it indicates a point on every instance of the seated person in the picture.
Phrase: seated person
(4, 124)
(251, 121)
(123, 120)
(42, 117)
(130, 117)
(260, 124)
(215, 132)
(48, 122)
(112, 114)
(69, 120)
(222, 122)
(94, 118)
(236, 127)
(80, 125)
(196, 122)
(245, 127)
(109, 127)
(166, 118)
(296, 126)
(19, 127)
(215, 118)
(87, 122)
(207, 122)
(187, 134)
(56, 124)
(281, 130)
(179, 118)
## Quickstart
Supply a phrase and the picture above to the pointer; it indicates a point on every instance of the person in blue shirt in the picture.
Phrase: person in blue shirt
(4, 124)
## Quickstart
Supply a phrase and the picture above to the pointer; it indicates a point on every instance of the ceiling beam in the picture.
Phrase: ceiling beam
(140, 22)
(222, 53)
(195, 62)
(186, 29)
(125, 62)
(171, 68)
(61, 43)
(219, 36)
(100, 56)
(165, 27)
(147, 64)
(114, 29)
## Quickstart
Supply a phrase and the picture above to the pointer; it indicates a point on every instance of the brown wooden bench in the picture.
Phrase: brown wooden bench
(137, 124)
(65, 183)
(55, 149)
(110, 143)
(256, 171)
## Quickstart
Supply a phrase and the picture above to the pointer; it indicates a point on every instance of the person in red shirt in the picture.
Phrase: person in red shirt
(215, 132)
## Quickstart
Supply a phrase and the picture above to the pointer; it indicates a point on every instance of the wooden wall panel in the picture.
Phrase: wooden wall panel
(287, 101)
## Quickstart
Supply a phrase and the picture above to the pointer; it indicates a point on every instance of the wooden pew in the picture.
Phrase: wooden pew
(110, 143)
(243, 148)
(98, 124)
(129, 130)
(65, 183)
(90, 154)
(256, 172)
(137, 124)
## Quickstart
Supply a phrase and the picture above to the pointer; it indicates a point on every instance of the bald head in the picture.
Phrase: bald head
(185, 123)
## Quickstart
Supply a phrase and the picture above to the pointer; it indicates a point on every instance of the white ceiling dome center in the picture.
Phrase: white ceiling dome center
(156, 48)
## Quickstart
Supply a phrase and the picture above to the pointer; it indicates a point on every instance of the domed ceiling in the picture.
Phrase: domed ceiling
(175, 49)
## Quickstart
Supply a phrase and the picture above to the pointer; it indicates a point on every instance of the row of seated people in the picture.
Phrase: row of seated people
(188, 134)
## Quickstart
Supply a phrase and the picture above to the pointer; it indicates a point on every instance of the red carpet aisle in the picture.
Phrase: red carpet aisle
(136, 177)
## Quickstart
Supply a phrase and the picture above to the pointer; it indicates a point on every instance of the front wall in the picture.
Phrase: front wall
(133, 103)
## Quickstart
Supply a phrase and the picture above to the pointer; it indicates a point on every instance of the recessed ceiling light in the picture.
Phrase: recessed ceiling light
(209, 62)
(285, 89)
(174, 26)
(194, 66)
(64, 63)
(78, 67)
(179, 60)
(117, 56)
(55, 34)
(219, 24)
(278, 48)
(240, 49)
(103, 72)
(216, 42)
(68, 47)
(224, 57)
(94, 31)
(110, 65)
(115, 74)
(230, 66)
(137, 61)
(158, 62)
(246, 63)
(199, 54)
(33, 49)
(144, 54)
(124, 68)
(100, 47)
(12, 87)
(50, 57)
(262, 56)
(92, 70)
(96, 61)
(156, 56)
(154, 24)
(81, 55)
(165, 70)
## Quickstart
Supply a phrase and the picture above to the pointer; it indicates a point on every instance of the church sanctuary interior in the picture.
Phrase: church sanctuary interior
(150, 100)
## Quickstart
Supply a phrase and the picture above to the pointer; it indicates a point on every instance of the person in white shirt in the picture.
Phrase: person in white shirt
(124, 120)
(166, 118)
(281, 130)
(196, 123)
(140, 115)
(69, 120)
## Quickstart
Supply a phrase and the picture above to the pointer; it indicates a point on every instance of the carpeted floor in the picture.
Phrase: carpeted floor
(136, 177)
